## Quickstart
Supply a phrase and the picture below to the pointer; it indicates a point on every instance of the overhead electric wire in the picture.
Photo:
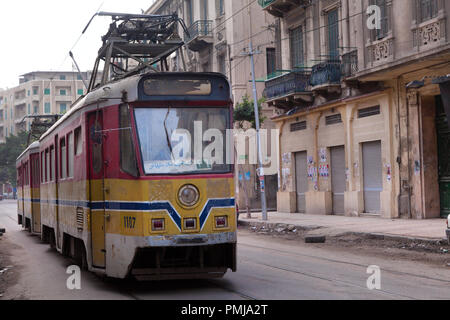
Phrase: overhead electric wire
(73, 47)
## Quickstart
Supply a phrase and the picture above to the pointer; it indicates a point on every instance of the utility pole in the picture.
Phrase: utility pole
(262, 184)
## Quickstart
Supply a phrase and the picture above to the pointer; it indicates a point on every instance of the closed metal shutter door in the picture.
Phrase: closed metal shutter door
(373, 183)
(301, 180)
(338, 178)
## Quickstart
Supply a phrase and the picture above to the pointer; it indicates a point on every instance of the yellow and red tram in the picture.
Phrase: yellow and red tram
(135, 180)
(28, 194)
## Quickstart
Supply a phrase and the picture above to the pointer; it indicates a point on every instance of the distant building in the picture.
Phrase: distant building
(41, 92)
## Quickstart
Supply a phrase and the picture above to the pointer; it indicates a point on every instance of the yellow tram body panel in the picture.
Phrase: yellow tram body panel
(142, 191)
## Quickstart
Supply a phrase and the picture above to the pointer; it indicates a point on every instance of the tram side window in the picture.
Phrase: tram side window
(52, 164)
(63, 157)
(26, 173)
(47, 165)
(35, 173)
(42, 166)
(70, 154)
(78, 141)
(127, 152)
(18, 177)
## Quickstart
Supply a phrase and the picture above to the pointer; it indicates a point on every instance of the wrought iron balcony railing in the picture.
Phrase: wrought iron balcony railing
(349, 64)
(199, 28)
(326, 73)
(289, 83)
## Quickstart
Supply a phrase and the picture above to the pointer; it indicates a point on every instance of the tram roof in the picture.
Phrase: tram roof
(115, 91)
(31, 147)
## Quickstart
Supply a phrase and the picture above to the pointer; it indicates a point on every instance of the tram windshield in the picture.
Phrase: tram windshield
(183, 140)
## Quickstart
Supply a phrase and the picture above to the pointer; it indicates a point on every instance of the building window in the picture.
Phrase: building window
(333, 119)
(296, 43)
(62, 77)
(333, 34)
(368, 112)
(427, 9)
(35, 91)
(47, 92)
(47, 107)
(220, 7)
(62, 92)
(385, 7)
(62, 108)
(29, 108)
(36, 110)
(298, 126)
(271, 60)
(79, 77)
(29, 93)
(204, 7)
(189, 11)
(80, 92)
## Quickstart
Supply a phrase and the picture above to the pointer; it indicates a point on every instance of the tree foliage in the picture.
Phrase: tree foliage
(9, 152)
(245, 111)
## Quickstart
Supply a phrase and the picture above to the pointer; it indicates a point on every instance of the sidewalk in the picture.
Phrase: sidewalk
(398, 229)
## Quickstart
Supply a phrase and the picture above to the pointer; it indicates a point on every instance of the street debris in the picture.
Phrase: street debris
(2, 271)
(315, 239)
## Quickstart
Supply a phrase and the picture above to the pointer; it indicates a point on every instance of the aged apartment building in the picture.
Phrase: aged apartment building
(218, 40)
(38, 93)
(361, 112)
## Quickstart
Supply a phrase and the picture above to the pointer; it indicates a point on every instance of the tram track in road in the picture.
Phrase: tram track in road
(380, 292)
(226, 288)
(129, 287)
(393, 272)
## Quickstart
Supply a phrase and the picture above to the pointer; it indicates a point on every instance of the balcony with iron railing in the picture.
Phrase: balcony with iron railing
(200, 35)
(330, 73)
(278, 8)
(285, 87)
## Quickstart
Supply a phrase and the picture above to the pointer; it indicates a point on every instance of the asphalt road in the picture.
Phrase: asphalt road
(267, 269)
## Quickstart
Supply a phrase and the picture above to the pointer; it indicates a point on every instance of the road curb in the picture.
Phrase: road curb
(367, 235)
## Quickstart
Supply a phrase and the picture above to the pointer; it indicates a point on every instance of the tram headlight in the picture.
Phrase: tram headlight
(188, 195)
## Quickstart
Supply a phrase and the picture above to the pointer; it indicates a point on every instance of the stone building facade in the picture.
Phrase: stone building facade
(362, 118)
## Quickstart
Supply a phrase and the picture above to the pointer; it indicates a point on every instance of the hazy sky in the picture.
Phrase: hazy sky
(37, 35)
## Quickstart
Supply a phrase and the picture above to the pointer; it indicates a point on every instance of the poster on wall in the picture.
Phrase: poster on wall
(324, 171)
(286, 158)
(388, 172)
(323, 155)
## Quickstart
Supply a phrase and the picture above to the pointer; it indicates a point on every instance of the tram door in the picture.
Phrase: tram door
(96, 176)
